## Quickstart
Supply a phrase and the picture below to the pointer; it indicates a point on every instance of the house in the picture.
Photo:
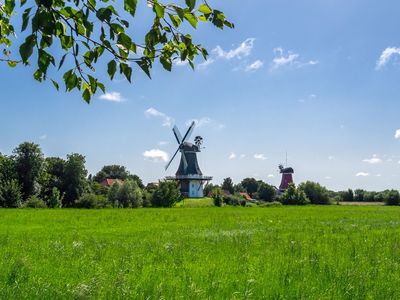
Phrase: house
(246, 196)
(108, 182)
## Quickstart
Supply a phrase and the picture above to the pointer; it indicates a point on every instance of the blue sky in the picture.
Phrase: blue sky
(316, 79)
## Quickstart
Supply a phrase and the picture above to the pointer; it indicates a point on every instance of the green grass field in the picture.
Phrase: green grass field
(331, 252)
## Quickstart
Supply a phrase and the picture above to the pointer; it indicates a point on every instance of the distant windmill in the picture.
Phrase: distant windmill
(287, 177)
(189, 176)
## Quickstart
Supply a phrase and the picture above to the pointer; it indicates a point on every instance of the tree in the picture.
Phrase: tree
(129, 194)
(52, 177)
(266, 192)
(391, 197)
(55, 199)
(293, 196)
(166, 194)
(316, 193)
(347, 196)
(28, 165)
(7, 168)
(218, 196)
(91, 32)
(227, 185)
(359, 195)
(10, 194)
(112, 172)
(112, 195)
(74, 181)
(250, 185)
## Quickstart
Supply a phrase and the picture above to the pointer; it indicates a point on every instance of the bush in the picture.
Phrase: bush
(316, 193)
(34, 202)
(92, 201)
(166, 194)
(391, 197)
(217, 195)
(270, 204)
(55, 199)
(129, 194)
(234, 200)
(266, 192)
(293, 196)
(10, 194)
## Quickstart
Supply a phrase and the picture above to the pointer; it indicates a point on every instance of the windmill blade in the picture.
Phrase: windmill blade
(177, 134)
(189, 132)
(185, 164)
(166, 167)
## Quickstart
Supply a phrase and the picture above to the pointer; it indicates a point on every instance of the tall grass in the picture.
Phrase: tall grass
(205, 253)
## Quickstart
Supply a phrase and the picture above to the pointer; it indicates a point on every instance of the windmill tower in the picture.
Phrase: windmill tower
(287, 177)
(189, 176)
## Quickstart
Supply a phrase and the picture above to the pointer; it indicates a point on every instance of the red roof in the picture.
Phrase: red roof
(108, 182)
(245, 196)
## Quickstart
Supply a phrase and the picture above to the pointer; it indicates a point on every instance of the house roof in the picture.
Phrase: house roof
(108, 182)
(246, 196)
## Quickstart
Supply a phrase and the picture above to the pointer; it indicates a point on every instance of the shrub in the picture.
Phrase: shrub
(166, 194)
(266, 192)
(10, 194)
(270, 204)
(55, 199)
(129, 194)
(92, 201)
(234, 200)
(293, 196)
(316, 193)
(34, 202)
(391, 197)
(217, 195)
(112, 194)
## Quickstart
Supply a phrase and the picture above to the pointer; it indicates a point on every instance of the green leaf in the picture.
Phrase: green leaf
(159, 9)
(12, 63)
(25, 18)
(111, 68)
(62, 61)
(191, 4)
(126, 70)
(176, 21)
(192, 19)
(145, 66)
(86, 95)
(101, 86)
(205, 9)
(55, 84)
(130, 6)
(26, 49)
(166, 63)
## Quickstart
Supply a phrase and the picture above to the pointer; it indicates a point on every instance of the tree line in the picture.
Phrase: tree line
(305, 193)
(28, 179)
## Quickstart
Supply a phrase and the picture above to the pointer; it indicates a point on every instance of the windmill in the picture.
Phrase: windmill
(287, 177)
(189, 176)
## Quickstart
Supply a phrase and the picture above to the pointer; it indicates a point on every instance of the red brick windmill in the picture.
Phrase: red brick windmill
(287, 177)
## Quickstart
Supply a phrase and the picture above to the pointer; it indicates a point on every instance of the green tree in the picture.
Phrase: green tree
(112, 195)
(55, 199)
(7, 168)
(28, 165)
(94, 33)
(391, 197)
(166, 194)
(250, 185)
(266, 192)
(293, 196)
(34, 202)
(74, 179)
(129, 194)
(112, 172)
(10, 194)
(218, 196)
(227, 185)
(52, 177)
(316, 193)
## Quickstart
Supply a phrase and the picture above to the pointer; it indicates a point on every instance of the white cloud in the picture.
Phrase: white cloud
(309, 98)
(155, 155)
(112, 97)
(178, 62)
(362, 174)
(289, 59)
(206, 63)
(163, 143)
(378, 175)
(270, 175)
(397, 134)
(386, 56)
(260, 156)
(254, 66)
(328, 177)
(232, 155)
(43, 137)
(242, 51)
(152, 112)
(330, 157)
(373, 160)
(205, 121)
(242, 155)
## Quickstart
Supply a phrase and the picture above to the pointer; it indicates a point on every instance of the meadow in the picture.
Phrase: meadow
(329, 252)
